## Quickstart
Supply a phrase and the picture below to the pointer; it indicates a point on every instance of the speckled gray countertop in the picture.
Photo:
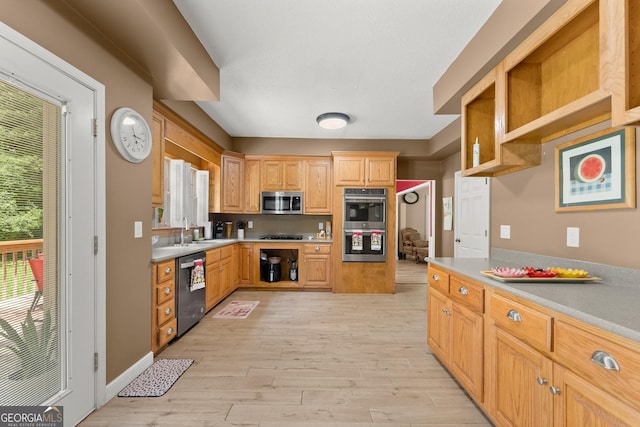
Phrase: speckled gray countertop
(610, 304)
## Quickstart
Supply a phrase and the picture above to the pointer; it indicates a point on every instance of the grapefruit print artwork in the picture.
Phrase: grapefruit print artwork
(590, 168)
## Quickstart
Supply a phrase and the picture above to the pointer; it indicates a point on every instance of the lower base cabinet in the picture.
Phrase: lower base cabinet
(163, 317)
(315, 270)
(541, 368)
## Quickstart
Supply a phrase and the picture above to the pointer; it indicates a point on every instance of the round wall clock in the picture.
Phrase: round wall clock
(130, 134)
(411, 198)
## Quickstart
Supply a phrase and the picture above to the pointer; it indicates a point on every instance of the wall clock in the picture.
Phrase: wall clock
(130, 134)
(411, 198)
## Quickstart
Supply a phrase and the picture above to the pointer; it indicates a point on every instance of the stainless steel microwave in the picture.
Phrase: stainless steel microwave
(281, 202)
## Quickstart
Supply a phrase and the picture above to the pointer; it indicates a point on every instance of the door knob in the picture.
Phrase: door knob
(458, 240)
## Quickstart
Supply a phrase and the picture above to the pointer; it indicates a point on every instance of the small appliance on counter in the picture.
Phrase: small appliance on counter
(219, 230)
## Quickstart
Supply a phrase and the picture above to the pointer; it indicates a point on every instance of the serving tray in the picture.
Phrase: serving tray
(527, 279)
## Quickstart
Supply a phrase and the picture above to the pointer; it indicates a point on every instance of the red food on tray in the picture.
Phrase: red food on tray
(539, 272)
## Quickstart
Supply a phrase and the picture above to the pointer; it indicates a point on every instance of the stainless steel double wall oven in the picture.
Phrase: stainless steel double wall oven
(364, 225)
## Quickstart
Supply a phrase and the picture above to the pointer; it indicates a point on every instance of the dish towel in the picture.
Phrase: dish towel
(356, 240)
(376, 240)
(197, 275)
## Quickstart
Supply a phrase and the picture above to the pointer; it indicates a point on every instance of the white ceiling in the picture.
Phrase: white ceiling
(284, 62)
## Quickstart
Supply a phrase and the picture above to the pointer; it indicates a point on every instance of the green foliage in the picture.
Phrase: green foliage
(35, 348)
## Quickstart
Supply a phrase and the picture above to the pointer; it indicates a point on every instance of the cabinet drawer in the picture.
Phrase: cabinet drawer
(469, 294)
(607, 364)
(166, 311)
(213, 256)
(165, 270)
(167, 332)
(528, 324)
(165, 291)
(226, 251)
(310, 248)
(438, 279)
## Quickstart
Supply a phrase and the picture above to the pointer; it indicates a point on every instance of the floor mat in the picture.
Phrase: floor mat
(236, 310)
(157, 379)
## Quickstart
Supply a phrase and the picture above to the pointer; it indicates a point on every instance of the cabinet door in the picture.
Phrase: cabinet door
(439, 325)
(292, 175)
(317, 187)
(226, 277)
(522, 379)
(380, 172)
(212, 285)
(157, 156)
(246, 264)
(315, 271)
(349, 171)
(579, 403)
(252, 186)
(235, 266)
(272, 179)
(466, 356)
(232, 189)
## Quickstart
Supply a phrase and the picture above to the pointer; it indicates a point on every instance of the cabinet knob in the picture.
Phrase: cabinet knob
(463, 291)
(317, 248)
(436, 277)
(514, 315)
(541, 381)
(167, 311)
(170, 331)
(605, 360)
(167, 291)
(555, 391)
(167, 270)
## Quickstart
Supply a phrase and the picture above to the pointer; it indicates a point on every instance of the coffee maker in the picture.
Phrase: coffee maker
(219, 230)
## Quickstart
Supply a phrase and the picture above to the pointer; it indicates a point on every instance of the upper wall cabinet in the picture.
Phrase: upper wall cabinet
(232, 183)
(559, 79)
(281, 175)
(157, 156)
(317, 186)
(364, 169)
(625, 36)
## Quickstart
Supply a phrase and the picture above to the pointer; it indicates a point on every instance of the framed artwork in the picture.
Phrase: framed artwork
(447, 213)
(597, 171)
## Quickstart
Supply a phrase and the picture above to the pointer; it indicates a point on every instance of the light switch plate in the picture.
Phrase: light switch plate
(573, 237)
(250, 224)
(505, 231)
(137, 229)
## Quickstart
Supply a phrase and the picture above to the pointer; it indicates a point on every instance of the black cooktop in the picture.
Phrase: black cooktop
(281, 237)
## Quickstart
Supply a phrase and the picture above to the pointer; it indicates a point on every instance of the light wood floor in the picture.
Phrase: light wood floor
(308, 359)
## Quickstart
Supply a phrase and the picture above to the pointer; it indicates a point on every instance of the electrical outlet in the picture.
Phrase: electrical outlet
(505, 231)
(573, 237)
(250, 224)
(321, 226)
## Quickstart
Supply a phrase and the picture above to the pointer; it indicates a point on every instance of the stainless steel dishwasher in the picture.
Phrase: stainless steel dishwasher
(190, 295)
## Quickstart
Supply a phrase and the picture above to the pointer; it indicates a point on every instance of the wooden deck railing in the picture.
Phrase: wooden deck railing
(16, 278)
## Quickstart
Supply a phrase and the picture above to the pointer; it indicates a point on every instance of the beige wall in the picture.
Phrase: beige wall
(128, 186)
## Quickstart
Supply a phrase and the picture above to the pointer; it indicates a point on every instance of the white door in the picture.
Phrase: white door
(471, 213)
(73, 219)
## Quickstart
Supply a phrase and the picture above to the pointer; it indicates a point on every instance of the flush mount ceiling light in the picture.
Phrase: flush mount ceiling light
(332, 120)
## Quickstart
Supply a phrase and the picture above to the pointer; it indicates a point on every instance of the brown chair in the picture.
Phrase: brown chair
(412, 244)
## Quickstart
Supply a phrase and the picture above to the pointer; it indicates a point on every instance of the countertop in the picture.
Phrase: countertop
(169, 252)
(605, 304)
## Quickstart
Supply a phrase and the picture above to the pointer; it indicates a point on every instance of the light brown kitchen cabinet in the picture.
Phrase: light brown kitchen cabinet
(226, 271)
(235, 266)
(626, 66)
(212, 279)
(246, 264)
(318, 187)
(232, 184)
(163, 318)
(157, 158)
(251, 185)
(281, 175)
(455, 328)
(315, 269)
(368, 169)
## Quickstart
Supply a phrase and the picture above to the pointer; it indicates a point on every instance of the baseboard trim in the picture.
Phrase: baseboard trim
(123, 380)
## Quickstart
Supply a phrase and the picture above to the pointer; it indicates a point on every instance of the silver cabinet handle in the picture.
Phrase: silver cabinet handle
(167, 270)
(541, 381)
(554, 391)
(605, 360)
(167, 311)
(167, 291)
(170, 331)
(463, 291)
(514, 315)
(436, 277)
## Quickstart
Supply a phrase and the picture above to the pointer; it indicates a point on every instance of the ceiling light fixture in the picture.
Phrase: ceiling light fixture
(332, 120)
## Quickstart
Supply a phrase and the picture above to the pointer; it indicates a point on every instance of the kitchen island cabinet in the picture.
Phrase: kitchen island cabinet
(163, 317)
(542, 365)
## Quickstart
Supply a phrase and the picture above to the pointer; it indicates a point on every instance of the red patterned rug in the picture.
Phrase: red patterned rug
(236, 310)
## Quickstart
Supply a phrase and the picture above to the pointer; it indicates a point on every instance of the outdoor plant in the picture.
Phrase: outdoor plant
(35, 347)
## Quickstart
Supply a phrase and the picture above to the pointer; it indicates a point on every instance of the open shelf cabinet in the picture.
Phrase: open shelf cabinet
(626, 47)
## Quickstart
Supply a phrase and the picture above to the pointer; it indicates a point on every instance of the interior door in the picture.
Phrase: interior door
(471, 231)
(73, 219)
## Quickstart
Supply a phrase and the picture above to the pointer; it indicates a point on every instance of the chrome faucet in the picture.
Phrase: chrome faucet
(182, 230)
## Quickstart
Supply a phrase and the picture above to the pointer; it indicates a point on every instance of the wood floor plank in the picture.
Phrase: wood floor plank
(308, 359)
